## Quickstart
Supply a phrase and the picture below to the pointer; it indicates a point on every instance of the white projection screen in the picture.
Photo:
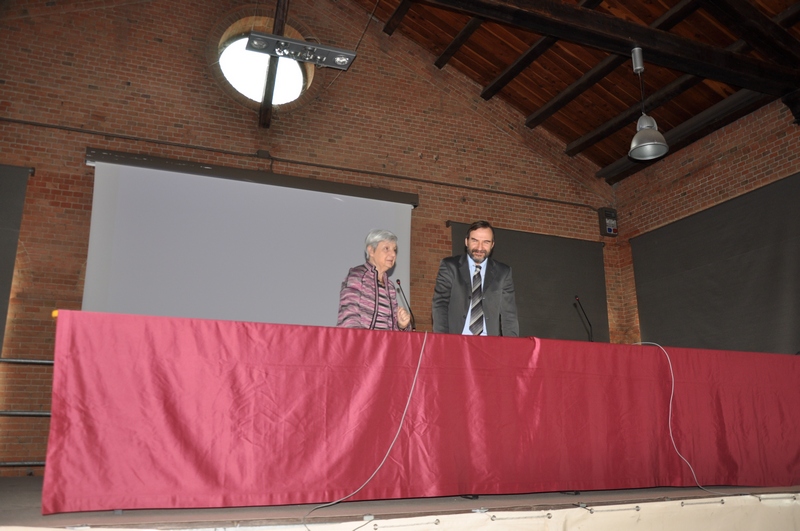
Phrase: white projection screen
(169, 243)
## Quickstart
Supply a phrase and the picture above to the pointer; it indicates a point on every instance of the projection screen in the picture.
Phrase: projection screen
(173, 243)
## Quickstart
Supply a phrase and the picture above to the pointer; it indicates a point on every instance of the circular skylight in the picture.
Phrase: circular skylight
(246, 71)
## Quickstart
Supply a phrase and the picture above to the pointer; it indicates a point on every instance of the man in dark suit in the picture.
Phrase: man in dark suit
(474, 294)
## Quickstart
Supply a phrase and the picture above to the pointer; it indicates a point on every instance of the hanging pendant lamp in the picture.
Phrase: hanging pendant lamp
(648, 143)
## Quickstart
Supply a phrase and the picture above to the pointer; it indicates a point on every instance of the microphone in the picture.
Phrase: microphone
(586, 317)
(399, 287)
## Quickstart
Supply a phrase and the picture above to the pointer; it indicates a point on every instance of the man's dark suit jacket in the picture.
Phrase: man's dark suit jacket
(453, 290)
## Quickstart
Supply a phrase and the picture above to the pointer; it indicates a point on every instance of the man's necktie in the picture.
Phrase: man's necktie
(476, 314)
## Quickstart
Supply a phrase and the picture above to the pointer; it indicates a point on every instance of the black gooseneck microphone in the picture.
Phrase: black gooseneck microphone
(413, 325)
(586, 317)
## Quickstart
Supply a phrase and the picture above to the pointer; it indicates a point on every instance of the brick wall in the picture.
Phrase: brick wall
(136, 77)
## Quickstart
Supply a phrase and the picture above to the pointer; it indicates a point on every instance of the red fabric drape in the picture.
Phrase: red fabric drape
(155, 412)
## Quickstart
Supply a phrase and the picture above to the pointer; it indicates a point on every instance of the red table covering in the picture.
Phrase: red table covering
(156, 412)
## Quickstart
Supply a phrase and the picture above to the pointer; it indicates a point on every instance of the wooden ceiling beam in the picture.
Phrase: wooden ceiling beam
(278, 27)
(462, 37)
(527, 58)
(756, 29)
(521, 63)
(723, 113)
(665, 22)
(791, 15)
(397, 17)
(605, 32)
(785, 19)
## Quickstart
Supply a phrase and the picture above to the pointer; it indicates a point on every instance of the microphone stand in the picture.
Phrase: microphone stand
(413, 322)
(586, 317)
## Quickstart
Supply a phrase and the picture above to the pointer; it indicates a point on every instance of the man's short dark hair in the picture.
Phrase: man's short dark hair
(480, 225)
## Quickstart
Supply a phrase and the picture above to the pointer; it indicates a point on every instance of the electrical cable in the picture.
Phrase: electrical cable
(391, 445)
(641, 87)
(367, 26)
(255, 16)
(369, 20)
(671, 436)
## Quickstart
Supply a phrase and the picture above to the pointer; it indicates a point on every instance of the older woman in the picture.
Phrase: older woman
(368, 299)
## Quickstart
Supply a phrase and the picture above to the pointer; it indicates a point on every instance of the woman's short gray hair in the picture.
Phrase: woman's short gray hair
(377, 236)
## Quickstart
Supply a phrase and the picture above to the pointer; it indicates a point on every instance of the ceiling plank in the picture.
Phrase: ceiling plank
(397, 17)
(668, 20)
(278, 27)
(525, 60)
(462, 37)
(756, 29)
(785, 19)
(605, 32)
(723, 113)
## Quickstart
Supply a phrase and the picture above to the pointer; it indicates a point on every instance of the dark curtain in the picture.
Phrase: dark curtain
(13, 182)
(726, 278)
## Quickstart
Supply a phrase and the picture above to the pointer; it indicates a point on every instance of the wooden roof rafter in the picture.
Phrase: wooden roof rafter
(709, 62)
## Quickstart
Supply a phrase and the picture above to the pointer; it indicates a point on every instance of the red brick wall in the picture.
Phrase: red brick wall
(135, 77)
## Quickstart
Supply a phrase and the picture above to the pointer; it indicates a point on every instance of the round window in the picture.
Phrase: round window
(246, 71)
(242, 73)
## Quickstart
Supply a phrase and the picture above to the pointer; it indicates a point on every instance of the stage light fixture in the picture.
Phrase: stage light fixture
(303, 51)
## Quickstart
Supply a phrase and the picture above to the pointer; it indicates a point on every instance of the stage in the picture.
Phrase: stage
(21, 507)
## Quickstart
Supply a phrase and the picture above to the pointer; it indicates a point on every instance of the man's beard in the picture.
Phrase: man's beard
(475, 259)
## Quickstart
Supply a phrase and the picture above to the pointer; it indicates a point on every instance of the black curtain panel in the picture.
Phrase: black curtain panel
(13, 183)
(725, 278)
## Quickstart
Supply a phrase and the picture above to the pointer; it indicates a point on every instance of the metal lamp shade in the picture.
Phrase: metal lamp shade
(647, 143)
